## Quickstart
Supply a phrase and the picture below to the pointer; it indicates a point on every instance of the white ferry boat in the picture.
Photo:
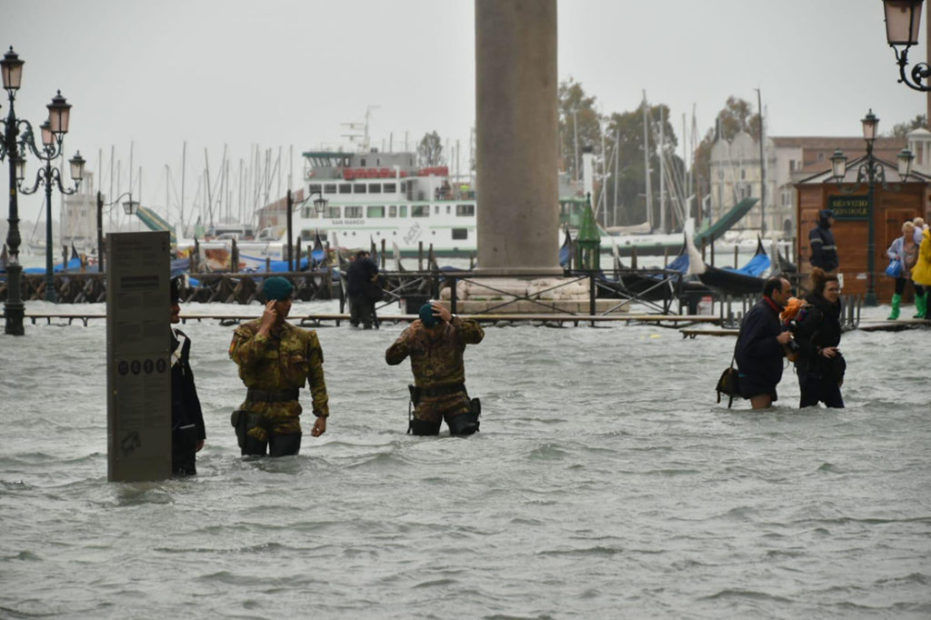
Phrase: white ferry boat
(374, 197)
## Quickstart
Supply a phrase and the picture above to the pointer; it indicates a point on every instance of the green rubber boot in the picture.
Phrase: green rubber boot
(921, 304)
(896, 302)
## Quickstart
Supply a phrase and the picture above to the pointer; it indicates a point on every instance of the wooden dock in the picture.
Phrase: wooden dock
(316, 320)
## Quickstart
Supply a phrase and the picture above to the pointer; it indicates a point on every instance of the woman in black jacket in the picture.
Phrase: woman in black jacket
(820, 365)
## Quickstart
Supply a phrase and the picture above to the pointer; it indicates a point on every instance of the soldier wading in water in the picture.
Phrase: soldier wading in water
(435, 343)
(275, 360)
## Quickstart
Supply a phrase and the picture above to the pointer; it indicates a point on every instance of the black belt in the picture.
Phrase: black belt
(272, 396)
(443, 390)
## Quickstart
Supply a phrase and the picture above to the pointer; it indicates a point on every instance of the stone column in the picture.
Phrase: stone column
(516, 129)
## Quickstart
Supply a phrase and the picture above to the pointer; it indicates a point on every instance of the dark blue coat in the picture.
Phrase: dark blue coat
(823, 246)
(758, 354)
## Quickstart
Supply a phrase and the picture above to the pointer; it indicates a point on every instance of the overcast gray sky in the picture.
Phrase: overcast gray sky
(288, 74)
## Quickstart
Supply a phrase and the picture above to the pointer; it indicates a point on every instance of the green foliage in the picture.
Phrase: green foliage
(430, 150)
(579, 124)
(901, 130)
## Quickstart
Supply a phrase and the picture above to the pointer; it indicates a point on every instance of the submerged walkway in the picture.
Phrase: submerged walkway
(662, 320)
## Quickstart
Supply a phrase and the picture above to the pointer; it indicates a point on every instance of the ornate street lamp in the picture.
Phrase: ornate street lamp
(129, 207)
(871, 171)
(838, 165)
(319, 206)
(53, 133)
(11, 67)
(905, 158)
(903, 20)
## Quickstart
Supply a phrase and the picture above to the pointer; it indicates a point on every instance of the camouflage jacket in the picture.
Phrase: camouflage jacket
(436, 356)
(281, 361)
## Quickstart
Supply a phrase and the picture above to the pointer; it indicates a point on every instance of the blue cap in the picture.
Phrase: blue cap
(276, 288)
(426, 315)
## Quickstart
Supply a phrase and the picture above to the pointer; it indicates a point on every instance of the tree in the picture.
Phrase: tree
(579, 126)
(901, 130)
(627, 130)
(430, 150)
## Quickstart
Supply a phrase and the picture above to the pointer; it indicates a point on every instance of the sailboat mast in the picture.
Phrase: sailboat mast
(646, 159)
(759, 104)
(662, 170)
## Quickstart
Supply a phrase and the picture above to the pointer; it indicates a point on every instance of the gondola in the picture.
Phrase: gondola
(746, 280)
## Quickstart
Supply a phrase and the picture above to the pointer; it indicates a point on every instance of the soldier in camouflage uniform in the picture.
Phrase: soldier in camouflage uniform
(275, 359)
(435, 343)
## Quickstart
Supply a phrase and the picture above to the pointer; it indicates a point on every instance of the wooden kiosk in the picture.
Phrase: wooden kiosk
(858, 205)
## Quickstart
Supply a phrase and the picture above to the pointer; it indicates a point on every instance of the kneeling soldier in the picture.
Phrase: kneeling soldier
(275, 359)
(435, 343)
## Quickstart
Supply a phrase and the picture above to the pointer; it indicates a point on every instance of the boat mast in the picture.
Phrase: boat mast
(646, 159)
(662, 170)
(759, 104)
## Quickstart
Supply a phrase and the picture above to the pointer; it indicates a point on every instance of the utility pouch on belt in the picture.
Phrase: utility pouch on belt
(242, 421)
(415, 394)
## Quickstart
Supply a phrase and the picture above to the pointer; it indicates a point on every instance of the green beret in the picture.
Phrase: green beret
(427, 317)
(276, 288)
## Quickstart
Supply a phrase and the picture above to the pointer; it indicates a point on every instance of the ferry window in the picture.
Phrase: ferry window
(353, 212)
(375, 212)
(402, 211)
(332, 212)
(460, 233)
(392, 211)
(329, 188)
(403, 186)
(420, 210)
(308, 235)
(314, 188)
(344, 188)
(448, 209)
(390, 188)
(307, 212)
(374, 188)
(436, 209)
(358, 188)
(465, 210)
(362, 162)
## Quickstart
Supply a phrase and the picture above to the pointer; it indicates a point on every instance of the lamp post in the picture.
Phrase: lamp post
(12, 69)
(53, 132)
(129, 207)
(870, 171)
(319, 205)
(903, 21)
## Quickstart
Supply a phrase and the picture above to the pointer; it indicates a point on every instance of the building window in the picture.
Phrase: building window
(420, 210)
(460, 233)
(358, 188)
(344, 188)
(465, 210)
(329, 188)
(374, 212)
(354, 212)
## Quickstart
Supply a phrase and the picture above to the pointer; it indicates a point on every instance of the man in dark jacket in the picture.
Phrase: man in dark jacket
(823, 246)
(362, 289)
(760, 346)
(187, 419)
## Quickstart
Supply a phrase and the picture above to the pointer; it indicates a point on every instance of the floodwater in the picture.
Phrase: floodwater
(606, 483)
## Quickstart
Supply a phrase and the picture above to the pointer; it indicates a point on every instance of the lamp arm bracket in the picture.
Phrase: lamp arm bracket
(41, 179)
(919, 73)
